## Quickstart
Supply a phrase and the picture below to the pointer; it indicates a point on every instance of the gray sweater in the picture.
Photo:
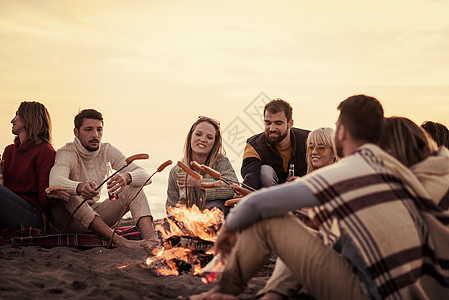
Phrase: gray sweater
(223, 166)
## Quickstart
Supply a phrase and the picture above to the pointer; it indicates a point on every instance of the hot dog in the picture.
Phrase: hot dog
(195, 165)
(231, 202)
(240, 189)
(189, 171)
(211, 185)
(211, 171)
(164, 165)
(136, 156)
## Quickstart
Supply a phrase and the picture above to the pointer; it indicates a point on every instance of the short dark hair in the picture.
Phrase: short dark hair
(363, 117)
(87, 114)
(438, 131)
(277, 105)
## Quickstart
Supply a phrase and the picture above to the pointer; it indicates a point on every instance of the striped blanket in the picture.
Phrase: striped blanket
(30, 236)
(397, 219)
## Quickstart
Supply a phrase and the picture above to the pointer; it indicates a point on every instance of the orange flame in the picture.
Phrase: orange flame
(202, 224)
(197, 222)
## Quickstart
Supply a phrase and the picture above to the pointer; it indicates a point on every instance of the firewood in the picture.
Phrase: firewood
(189, 242)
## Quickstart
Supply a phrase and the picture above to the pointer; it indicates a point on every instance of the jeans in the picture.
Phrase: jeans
(15, 211)
(268, 176)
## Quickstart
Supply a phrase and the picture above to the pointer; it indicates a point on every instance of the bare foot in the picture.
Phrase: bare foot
(272, 296)
(132, 244)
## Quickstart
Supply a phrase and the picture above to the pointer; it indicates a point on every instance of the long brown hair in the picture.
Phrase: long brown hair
(214, 155)
(36, 120)
(406, 141)
(217, 150)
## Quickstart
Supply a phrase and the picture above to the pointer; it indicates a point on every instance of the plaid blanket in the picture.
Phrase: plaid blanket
(30, 236)
(396, 218)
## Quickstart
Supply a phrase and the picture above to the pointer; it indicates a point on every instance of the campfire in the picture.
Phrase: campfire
(188, 236)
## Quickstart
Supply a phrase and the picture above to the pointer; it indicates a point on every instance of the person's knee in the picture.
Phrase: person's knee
(268, 176)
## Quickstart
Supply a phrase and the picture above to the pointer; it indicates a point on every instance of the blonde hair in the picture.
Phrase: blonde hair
(321, 136)
(36, 121)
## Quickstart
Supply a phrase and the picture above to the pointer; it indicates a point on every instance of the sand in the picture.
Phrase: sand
(34, 272)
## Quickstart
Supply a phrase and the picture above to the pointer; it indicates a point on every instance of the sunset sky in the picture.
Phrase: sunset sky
(152, 67)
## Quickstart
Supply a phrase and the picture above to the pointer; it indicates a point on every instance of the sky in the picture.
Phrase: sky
(153, 67)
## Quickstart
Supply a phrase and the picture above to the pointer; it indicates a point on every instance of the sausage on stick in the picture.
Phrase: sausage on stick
(189, 171)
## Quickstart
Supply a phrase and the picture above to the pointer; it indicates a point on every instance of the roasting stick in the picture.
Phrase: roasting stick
(128, 161)
(217, 175)
(159, 169)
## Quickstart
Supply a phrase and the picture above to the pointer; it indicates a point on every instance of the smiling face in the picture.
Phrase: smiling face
(90, 134)
(320, 155)
(276, 127)
(203, 139)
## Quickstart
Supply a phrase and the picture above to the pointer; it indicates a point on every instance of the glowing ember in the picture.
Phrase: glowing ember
(188, 235)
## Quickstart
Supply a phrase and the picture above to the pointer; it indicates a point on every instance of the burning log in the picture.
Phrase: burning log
(187, 236)
(188, 242)
(173, 266)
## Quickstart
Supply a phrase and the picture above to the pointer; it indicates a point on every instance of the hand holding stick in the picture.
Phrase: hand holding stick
(158, 170)
(128, 161)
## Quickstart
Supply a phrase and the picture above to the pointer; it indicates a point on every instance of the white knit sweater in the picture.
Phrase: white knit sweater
(75, 164)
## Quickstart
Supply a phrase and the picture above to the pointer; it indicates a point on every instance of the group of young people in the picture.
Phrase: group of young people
(372, 225)
(381, 212)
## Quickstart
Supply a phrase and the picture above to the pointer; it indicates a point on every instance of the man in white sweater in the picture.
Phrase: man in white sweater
(80, 167)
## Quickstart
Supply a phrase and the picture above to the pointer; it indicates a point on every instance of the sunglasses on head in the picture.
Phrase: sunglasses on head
(204, 118)
(320, 149)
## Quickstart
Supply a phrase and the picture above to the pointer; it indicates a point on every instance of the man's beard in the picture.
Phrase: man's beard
(337, 142)
(90, 148)
(276, 140)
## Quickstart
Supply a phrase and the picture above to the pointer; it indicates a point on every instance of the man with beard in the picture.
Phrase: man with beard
(268, 155)
(80, 167)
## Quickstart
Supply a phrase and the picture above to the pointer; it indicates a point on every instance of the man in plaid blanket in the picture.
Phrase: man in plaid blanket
(376, 224)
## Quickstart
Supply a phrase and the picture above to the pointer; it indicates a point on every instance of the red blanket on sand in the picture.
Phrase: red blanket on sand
(30, 236)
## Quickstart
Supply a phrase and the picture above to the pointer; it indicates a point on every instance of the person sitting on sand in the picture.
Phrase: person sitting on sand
(203, 144)
(321, 152)
(268, 155)
(379, 223)
(25, 168)
(80, 167)
(438, 131)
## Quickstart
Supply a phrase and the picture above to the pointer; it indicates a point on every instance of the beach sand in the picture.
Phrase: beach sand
(34, 272)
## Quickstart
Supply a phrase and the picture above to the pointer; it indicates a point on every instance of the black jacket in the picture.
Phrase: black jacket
(270, 156)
